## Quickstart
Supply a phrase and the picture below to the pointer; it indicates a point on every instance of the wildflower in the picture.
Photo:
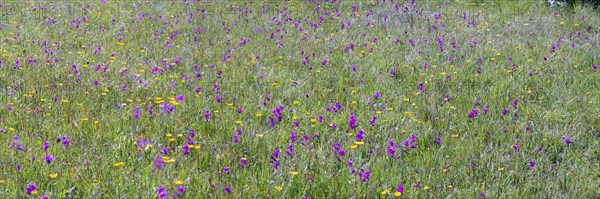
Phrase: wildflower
(438, 140)
(159, 162)
(566, 140)
(19, 167)
(531, 165)
(352, 122)
(141, 143)
(399, 191)
(49, 158)
(161, 192)
(65, 141)
(227, 189)
(244, 163)
(364, 175)
(180, 191)
(52, 175)
(207, 115)
(136, 113)
(45, 146)
(473, 113)
(226, 170)
(185, 150)
(360, 135)
(31, 189)
(292, 136)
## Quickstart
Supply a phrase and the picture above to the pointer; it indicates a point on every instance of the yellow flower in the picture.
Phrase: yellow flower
(259, 135)
(258, 115)
(177, 182)
(294, 173)
(313, 120)
(53, 175)
(385, 192)
(296, 102)
(426, 187)
(117, 164)
(359, 143)
(34, 192)
(169, 160)
(501, 169)
(278, 188)
(397, 194)
(353, 146)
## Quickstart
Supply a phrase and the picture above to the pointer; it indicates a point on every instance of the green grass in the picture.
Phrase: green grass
(44, 99)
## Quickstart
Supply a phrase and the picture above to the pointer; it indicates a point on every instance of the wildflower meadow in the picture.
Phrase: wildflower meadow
(299, 99)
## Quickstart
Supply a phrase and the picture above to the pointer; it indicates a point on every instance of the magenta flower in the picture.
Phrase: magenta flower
(49, 158)
(473, 113)
(207, 115)
(65, 141)
(141, 143)
(566, 140)
(352, 122)
(180, 191)
(161, 192)
(30, 188)
(364, 175)
(45, 146)
(136, 113)
(159, 162)
(400, 188)
(185, 150)
(227, 189)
